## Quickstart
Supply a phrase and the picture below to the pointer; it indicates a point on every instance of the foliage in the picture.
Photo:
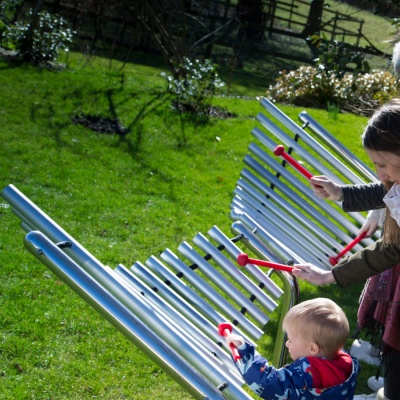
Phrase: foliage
(8, 10)
(196, 85)
(7, 14)
(38, 38)
(308, 87)
(338, 57)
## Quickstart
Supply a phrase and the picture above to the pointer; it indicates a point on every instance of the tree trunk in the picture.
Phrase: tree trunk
(250, 16)
(314, 20)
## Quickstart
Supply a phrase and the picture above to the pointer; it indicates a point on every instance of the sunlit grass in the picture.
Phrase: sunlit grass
(124, 199)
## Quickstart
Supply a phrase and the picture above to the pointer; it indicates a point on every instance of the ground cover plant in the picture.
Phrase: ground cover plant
(124, 197)
(358, 93)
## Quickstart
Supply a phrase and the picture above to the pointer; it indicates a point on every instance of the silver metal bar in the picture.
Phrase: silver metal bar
(187, 331)
(302, 204)
(310, 141)
(126, 322)
(234, 272)
(26, 225)
(277, 229)
(284, 224)
(89, 263)
(338, 147)
(273, 242)
(288, 141)
(192, 297)
(215, 276)
(283, 209)
(291, 288)
(42, 222)
(167, 308)
(180, 267)
(255, 244)
(168, 293)
(95, 269)
(308, 193)
(297, 147)
(226, 287)
(262, 279)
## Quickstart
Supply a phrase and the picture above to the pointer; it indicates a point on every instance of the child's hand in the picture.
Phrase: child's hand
(234, 339)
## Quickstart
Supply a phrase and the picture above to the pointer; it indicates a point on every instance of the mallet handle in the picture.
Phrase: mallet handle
(334, 260)
(280, 151)
(234, 350)
(262, 263)
(225, 330)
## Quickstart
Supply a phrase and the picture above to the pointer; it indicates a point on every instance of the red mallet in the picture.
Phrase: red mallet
(244, 259)
(334, 259)
(280, 152)
(225, 329)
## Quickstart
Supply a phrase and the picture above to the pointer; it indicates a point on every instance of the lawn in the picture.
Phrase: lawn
(122, 197)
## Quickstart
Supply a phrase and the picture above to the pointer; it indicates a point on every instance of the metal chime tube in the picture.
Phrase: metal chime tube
(120, 316)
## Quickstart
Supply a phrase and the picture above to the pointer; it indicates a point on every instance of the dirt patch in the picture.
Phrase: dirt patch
(100, 124)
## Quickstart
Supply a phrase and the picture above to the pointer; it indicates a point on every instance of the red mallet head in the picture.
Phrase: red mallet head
(333, 260)
(242, 259)
(223, 326)
(279, 150)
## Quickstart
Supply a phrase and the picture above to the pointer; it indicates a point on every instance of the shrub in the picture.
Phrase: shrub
(195, 87)
(40, 39)
(338, 57)
(356, 93)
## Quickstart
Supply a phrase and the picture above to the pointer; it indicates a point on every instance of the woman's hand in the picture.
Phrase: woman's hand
(313, 274)
(373, 222)
(325, 188)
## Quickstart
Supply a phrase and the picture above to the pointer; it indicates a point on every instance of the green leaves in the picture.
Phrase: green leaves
(38, 38)
(196, 85)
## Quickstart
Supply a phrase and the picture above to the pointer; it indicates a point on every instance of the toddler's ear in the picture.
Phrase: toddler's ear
(314, 349)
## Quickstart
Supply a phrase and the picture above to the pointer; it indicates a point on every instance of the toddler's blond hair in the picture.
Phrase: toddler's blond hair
(319, 321)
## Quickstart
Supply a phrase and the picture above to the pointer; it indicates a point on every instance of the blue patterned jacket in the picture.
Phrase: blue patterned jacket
(293, 381)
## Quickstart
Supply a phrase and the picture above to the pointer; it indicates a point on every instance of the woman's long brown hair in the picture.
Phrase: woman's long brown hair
(383, 134)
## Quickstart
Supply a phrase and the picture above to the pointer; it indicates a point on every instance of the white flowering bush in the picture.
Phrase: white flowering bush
(196, 85)
(41, 42)
(308, 87)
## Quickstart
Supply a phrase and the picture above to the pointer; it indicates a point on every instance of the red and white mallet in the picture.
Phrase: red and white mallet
(244, 259)
(225, 329)
(334, 259)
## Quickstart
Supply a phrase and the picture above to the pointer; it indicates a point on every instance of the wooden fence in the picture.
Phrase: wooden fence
(204, 24)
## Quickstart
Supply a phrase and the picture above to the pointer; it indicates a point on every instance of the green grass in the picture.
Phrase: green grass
(123, 199)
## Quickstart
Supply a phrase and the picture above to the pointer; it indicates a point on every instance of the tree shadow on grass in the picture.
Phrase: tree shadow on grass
(104, 121)
(99, 110)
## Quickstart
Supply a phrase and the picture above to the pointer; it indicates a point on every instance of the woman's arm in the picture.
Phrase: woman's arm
(363, 197)
(358, 267)
(368, 262)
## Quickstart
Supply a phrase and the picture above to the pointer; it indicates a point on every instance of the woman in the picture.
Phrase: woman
(381, 141)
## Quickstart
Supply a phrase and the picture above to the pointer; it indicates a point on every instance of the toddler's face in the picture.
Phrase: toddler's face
(296, 345)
